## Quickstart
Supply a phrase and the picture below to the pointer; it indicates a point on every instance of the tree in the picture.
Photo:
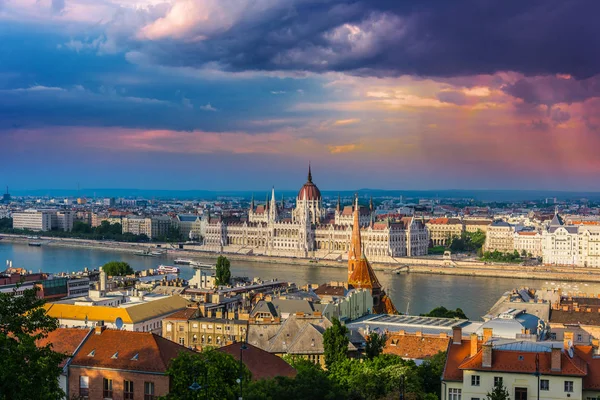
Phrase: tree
(430, 372)
(335, 343)
(375, 344)
(81, 227)
(443, 312)
(499, 393)
(216, 372)
(117, 268)
(29, 371)
(223, 272)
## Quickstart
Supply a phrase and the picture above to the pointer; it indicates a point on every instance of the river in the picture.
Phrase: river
(417, 293)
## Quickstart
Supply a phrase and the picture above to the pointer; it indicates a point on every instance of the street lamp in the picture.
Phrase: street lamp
(196, 386)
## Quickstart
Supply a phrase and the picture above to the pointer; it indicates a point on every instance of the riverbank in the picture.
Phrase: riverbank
(428, 265)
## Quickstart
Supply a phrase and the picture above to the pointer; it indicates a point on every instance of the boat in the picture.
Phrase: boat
(183, 261)
(203, 266)
(35, 244)
(144, 253)
(167, 269)
(158, 253)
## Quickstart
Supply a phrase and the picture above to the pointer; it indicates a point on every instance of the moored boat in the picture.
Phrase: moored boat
(167, 269)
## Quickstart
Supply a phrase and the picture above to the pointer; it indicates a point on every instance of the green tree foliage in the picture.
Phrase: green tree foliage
(497, 256)
(335, 343)
(216, 372)
(375, 344)
(499, 393)
(6, 224)
(431, 371)
(443, 312)
(28, 371)
(223, 271)
(117, 268)
(467, 241)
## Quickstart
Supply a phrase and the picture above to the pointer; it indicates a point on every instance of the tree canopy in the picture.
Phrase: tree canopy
(223, 271)
(28, 371)
(499, 393)
(375, 344)
(443, 312)
(214, 371)
(117, 268)
(335, 343)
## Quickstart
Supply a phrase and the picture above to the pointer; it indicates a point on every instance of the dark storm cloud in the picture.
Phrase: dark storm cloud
(389, 38)
(549, 90)
(453, 97)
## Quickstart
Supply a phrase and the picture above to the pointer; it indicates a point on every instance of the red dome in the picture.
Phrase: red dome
(309, 189)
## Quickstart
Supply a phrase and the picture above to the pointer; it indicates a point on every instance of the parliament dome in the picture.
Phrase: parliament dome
(309, 190)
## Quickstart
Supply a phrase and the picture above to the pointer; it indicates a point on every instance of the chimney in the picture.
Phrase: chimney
(487, 334)
(486, 361)
(567, 337)
(473, 344)
(595, 346)
(556, 357)
(99, 328)
(418, 334)
(456, 335)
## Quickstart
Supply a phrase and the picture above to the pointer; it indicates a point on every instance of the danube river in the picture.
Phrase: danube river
(418, 293)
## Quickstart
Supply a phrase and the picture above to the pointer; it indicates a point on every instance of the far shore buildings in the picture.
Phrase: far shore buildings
(311, 232)
(43, 220)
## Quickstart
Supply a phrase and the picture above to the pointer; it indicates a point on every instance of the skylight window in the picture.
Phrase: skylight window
(92, 353)
(115, 356)
(136, 357)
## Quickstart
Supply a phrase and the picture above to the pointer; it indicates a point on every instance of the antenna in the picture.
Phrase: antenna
(407, 307)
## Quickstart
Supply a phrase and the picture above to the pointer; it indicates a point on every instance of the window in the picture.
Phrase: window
(498, 381)
(180, 328)
(169, 327)
(107, 388)
(128, 390)
(475, 379)
(148, 390)
(544, 384)
(569, 386)
(182, 341)
(84, 386)
(579, 337)
(454, 394)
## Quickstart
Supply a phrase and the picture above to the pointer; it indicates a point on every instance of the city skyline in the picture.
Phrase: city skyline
(218, 95)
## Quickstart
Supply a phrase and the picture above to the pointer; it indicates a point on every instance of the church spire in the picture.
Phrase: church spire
(356, 244)
(339, 203)
(309, 173)
(252, 203)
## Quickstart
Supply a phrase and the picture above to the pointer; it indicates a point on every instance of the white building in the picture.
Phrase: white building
(43, 220)
(571, 245)
(312, 233)
(528, 242)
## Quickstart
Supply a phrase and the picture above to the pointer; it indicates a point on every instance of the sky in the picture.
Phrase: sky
(243, 94)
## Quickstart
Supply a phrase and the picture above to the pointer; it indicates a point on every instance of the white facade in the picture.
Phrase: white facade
(529, 242)
(36, 220)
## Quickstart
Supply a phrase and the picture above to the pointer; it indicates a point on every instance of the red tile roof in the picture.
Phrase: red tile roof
(415, 347)
(592, 379)
(183, 315)
(153, 352)
(508, 361)
(262, 364)
(456, 355)
(64, 340)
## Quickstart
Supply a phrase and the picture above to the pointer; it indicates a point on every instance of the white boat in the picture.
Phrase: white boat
(183, 261)
(167, 269)
(158, 253)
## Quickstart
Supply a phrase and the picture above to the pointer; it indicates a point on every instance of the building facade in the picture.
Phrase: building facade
(442, 230)
(43, 220)
(500, 237)
(571, 245)
(309, 233)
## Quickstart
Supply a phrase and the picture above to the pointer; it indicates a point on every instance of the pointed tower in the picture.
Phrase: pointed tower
(273, 206)
(309, 173)
(339, 204)
(282, 202)
(252, 203)
(361, 274)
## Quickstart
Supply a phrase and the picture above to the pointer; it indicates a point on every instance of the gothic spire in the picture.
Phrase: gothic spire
(309, 173)
(339, 203)
(356, 245)
(252, 202)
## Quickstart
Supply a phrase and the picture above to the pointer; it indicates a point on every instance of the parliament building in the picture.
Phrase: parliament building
(308, 230)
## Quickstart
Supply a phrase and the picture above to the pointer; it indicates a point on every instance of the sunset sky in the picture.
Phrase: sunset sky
(242, 94)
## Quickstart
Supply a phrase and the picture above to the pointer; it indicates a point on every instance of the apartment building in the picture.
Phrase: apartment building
(43, 220)
(152, 227)
(500, 237)
(442, 230)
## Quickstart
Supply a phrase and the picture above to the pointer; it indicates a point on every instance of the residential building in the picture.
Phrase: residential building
(190, 226)
(474, 365)
(416, 346)
(476, 224)
(153, 227)
(299, 336)
(189, 328)
(442, 230)
(117, 310)
(528, 242)
(117, 364)
(499, 237)
(571, 245)
(33, 220)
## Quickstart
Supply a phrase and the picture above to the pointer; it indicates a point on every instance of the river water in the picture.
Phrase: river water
(417, 293)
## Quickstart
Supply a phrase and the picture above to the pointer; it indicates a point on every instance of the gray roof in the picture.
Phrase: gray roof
(264, 307)
(411, 324)
(500, 222)
(188, 217)
(281, 342)
(293, 306)
(557, 220)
